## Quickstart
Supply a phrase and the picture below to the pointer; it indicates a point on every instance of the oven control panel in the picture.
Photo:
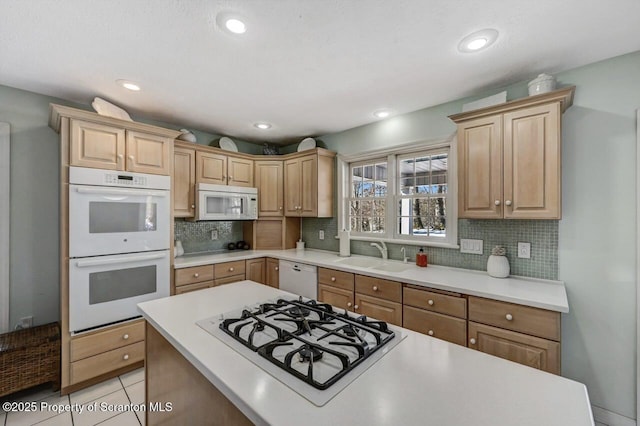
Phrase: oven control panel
(124, 180)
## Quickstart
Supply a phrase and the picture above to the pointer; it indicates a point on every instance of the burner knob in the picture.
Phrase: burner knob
(430, 332)
(333, 278)
(472, 341)
(375, 288)
(430, 302)
(509, 317)
(349, 304)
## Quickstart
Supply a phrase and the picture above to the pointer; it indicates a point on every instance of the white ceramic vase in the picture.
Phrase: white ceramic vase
(498, 266)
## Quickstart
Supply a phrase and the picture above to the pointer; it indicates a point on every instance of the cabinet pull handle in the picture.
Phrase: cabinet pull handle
(230, 269)
(125, 357)
(125, 337)
(430, 302)
(509, 317)
(355, 307)
(496, 202)
(508, 202)
(375, 288)
(348, 304)
(430, 332)
(472, 341)
(333, 278)
(196, 275)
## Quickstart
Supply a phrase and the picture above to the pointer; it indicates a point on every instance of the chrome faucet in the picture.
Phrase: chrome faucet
(382, 248)
(404, 254)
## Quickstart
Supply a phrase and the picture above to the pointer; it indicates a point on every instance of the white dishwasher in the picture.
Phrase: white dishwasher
(299, 279)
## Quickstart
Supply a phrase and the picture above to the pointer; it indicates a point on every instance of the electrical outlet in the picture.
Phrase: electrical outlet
(321, 234)
(214, 234)
(26, 322)
(471, 246)
(524, 250)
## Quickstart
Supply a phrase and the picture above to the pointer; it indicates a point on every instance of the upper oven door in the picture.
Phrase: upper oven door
(108, 220)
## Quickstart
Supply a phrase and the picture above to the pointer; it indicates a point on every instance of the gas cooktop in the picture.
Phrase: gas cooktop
(311, 347)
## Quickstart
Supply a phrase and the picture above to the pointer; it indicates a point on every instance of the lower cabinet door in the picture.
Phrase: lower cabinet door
(193, 287)
(521, 348)
(228, 280)
(337, 297)
(109, 361)
(380, 309)
(443, 327)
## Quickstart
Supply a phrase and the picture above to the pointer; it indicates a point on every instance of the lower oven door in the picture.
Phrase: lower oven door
(106, 289)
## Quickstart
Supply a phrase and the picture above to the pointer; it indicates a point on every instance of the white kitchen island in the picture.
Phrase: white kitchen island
(421, 381)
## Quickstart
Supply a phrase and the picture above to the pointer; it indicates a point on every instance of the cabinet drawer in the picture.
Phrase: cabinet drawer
(379, 309)
(193, 275)
(338, 297)
(443, 327)
(532, 351)
(343, 280)
(93, 344)
(376, 287)
(524, 319)
(227, 269)
(193, 287)
(228, 280)
(109, 361)
(436, 302)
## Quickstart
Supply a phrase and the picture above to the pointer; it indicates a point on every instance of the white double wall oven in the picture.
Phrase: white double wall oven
(119, 227)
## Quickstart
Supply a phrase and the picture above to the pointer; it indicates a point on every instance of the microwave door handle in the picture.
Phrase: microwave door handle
(128, 259)
(120, 191)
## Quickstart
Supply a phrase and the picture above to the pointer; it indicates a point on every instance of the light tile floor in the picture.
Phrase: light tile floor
(123, 390)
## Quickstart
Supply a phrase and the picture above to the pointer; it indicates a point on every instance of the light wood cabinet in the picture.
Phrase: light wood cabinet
(378, 298)
(272, 233)
(509, 158)
(102, 146)
(273, 273)
(256, 270)
(193, 278)
(183, 182)
(220, 169)
(522, 334)
(269, 179)
(308, 185)
(194, 287)
(336, 288)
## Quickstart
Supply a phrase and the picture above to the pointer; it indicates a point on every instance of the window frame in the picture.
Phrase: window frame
(391, 235)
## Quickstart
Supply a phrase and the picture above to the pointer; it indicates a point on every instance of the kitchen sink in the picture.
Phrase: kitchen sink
(392, 267)
(359, 261)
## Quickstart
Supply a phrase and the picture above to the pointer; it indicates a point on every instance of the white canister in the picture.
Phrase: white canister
(178, 250)
(300, 245)
(543, 83)
(498, 266)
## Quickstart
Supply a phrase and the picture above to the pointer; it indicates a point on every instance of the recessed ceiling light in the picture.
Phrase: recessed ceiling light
(478, 41)
(382, 113)
(262, 126)
(235, 25)
(129, 85)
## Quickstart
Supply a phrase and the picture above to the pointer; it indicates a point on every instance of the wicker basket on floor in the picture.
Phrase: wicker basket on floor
(29, 357)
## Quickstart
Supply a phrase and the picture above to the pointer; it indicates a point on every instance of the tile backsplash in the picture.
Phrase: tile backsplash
(196, 236)
(542, 234)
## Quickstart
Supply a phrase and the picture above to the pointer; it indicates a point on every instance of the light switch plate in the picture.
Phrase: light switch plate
(524, 250)
(471, 246)
(321, 234)
(214, 234)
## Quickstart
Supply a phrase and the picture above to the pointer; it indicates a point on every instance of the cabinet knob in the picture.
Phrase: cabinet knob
(280, 208)
(125, 337)
(230, 177)
(230, 269)
(196, 275)
(333, 278)
(509, 317)
(472, 341)
(355, 307)
(430, 302)
(120, 158)
(375, 288)
(193, 206)
(223, 177)
(125, 357)
(496, 202)
(508, 202)
(348, 304)
(430, 332)
(277, 268)
(131, 157)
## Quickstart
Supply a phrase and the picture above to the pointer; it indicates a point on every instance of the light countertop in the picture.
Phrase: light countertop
(421, 381)
(545, 294)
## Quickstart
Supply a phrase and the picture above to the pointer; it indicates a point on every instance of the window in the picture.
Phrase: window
(401, 196)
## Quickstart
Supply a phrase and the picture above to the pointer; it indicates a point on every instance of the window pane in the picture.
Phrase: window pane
(377, 224)
(406, 167)
(407, 186)
(381, 172)
(366, 224)
(356, 224)
(379, 208)
(354, 208)
(366, 208)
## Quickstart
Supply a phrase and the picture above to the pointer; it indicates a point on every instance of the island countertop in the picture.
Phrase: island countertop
(538, 293)
(422, 380)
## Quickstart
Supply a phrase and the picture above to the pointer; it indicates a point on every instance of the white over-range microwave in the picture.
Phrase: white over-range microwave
(223, 202)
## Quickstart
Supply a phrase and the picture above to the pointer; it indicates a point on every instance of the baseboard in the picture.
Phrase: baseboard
(610, 418)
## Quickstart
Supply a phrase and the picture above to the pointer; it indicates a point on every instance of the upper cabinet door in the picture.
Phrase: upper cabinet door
(532, 163)
(183, 182)
(97, 145)
(292, 182)
(269, 179)
(147, 153)
(480, 168)
(309, 186)
(240, 172)
(211, 168)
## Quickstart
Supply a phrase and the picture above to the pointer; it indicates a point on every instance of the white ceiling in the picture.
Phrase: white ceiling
(309, 67)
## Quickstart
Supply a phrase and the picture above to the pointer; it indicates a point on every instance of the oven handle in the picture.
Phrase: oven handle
(129, 259)
(120, 191)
